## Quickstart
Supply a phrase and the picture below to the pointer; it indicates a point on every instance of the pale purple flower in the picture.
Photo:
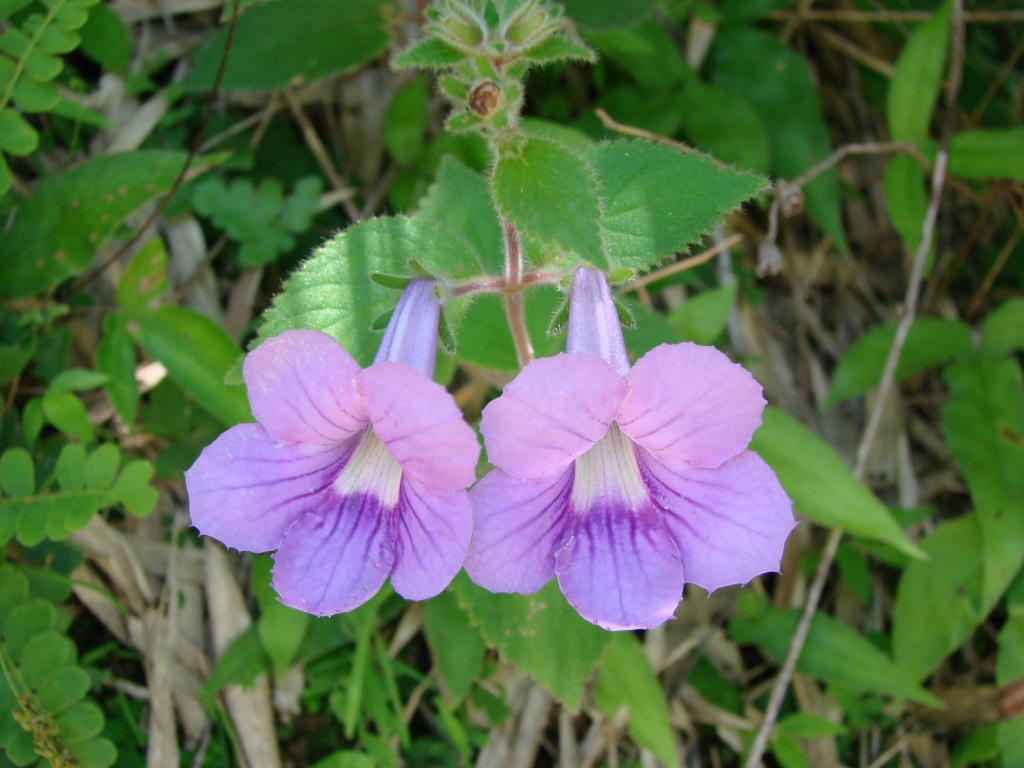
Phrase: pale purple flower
(350, 474)
(624, 483)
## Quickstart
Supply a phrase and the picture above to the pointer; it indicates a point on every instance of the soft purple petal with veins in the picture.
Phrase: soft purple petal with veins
(336, 558)
(730, 523)
(246, 489)
(432, 535)
(518, 525)
(421, 426)
(688, 402)
(301, 388)
(554, 410)
(620, 569)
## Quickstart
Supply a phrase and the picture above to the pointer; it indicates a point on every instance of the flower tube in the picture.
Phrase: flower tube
(625, 482)
(350, 475)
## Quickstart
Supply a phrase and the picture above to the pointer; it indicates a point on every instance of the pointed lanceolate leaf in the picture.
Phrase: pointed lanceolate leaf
(334, 293)
(540, 633)
(984, 424)
(914, 89)
(655, 200)
(550, 194)
(429, 53)
(822, 487)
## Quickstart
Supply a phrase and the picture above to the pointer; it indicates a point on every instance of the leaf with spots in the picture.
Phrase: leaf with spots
(56, 231)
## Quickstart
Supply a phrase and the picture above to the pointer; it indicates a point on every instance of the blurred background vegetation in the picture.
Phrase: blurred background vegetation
(154, 195)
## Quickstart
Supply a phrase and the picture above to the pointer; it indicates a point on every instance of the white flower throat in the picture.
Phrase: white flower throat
(609, 473)
(370, 469)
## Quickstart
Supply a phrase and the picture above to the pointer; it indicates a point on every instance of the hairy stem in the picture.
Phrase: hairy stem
(514, 310)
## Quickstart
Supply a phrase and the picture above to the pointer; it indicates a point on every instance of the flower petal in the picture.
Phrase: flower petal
(336, 558)
(432, 535)
(301, 388)
(518, 526)
(691, 403)
(730, 523)
(620, 569)
(246, 489)
(421, 426)
(554, 410)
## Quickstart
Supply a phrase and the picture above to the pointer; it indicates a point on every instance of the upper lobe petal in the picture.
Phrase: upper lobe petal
(301, 388)
(518, 526)
(688, 402)
(554, 410)
(730, 523)
(620, 569)
(336, 558)
(421, 426)
(431, 539)
(246, 489)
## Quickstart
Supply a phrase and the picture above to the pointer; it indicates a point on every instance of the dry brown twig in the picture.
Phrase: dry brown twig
(885, 386)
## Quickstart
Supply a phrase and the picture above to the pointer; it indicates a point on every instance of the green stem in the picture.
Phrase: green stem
(514, 309)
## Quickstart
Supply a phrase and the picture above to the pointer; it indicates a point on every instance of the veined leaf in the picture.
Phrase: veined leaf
(823, 489)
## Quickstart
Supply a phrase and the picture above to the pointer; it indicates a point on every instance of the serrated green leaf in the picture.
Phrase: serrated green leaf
(71, 467)
(63, 688)
(405, 122)
(656, 200)
(67, 413)
(938, 601)
(987, 154)
(279, 42)
(429, 53)
(1004, 328)
(35, 96)
(930, 343)
(559, 48)
(984, 426)
(17, 472)
(778, 83)
(833, 652)
(459, 199)
(333, 292)
(627, 680)
(81, 722)
(455, 645)
(822, 487)
(198, 354)
(540, 633)
(46, 652)
(550, 193)
(17, 137)
(57, 229)
(914, 88)
(115, 358)
(101, 467)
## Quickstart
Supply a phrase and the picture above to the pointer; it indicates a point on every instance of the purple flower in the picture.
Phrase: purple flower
(625, 482)
(351, 475)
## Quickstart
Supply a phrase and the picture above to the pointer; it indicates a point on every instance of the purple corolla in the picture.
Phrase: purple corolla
(625, 482)
(350, 474)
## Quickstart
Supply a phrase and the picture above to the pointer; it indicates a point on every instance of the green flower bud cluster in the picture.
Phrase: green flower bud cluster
(487, 46)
